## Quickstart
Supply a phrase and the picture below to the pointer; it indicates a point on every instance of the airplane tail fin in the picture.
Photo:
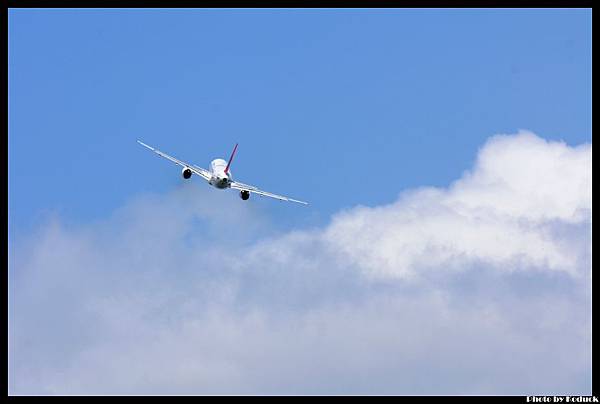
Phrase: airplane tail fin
(231, 159)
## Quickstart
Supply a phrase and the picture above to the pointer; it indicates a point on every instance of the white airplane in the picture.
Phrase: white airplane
(219, 176)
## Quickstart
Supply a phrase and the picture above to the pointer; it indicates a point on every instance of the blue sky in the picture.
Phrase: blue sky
(446, 156)
(337, 107)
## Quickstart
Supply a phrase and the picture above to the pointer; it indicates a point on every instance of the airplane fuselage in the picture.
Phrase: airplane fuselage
(219, 178)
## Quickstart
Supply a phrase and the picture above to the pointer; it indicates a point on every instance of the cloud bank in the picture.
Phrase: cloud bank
(482, 287)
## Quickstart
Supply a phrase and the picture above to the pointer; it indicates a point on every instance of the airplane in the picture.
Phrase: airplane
(219, 175)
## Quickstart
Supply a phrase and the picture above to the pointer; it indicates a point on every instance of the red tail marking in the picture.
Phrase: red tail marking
(231, 158)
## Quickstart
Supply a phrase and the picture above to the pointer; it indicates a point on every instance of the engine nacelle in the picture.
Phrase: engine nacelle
(186, 173)
(244, 195)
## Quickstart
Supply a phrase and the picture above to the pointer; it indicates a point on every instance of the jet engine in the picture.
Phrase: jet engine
(186, 173)
(244, 195)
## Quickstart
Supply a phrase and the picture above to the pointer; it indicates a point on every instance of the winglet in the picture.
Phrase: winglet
(231, 158)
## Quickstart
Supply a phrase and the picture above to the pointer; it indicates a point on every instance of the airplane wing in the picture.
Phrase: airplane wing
(194, 168)
(254, 190)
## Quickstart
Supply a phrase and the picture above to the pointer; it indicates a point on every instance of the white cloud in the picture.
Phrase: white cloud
(469, 289)
(501, 214)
